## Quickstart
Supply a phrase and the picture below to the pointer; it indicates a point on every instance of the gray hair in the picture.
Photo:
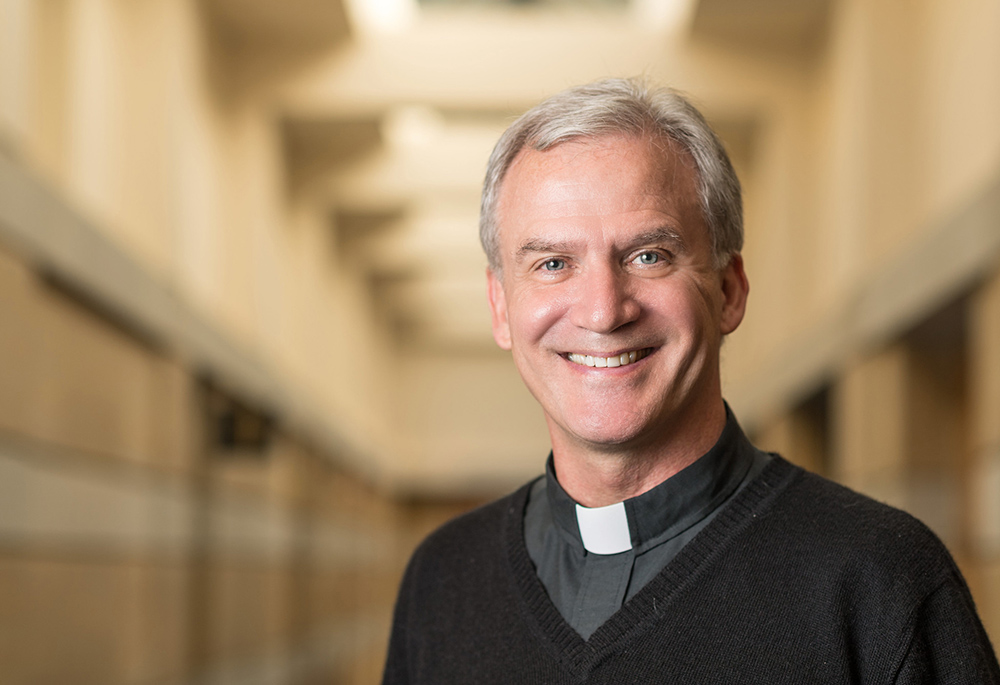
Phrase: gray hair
(624, 107)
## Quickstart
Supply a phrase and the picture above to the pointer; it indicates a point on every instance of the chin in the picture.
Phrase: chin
(601, 435)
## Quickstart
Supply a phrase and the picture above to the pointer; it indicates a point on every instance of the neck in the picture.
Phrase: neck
(597, 476)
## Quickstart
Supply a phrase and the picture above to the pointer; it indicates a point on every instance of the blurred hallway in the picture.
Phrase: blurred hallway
(245, 354)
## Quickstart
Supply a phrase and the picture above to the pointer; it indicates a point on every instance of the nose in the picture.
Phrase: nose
(604, 301)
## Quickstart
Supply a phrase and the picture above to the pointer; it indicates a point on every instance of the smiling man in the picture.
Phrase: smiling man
(660, 545)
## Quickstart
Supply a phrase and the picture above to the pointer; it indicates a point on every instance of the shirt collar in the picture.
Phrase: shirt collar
(677, 503)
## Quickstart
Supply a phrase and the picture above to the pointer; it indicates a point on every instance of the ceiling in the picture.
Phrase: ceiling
(392, 129)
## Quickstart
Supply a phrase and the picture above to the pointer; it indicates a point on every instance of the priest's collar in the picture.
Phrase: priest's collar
(670, 508)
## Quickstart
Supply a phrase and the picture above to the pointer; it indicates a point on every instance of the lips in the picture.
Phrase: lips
(623, 359)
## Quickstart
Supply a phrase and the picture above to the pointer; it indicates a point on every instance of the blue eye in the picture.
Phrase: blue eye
(554, 264)
(648, 258)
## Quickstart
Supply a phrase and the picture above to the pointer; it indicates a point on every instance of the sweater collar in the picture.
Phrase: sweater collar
(663, 511)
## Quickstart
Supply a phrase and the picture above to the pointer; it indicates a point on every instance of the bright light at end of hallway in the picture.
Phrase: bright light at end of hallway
(412, 127)
(381, 17)
(668, 16)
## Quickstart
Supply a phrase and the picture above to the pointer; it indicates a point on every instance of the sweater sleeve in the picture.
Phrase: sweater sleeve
(948, 645)
(397, 664)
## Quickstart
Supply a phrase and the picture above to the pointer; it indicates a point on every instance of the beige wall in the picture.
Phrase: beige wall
(135, 549)
(884, 146)
(472, 423)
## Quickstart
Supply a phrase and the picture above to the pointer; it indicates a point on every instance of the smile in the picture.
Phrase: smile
(623, 359)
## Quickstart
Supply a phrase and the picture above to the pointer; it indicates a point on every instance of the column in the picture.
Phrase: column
(869, 418)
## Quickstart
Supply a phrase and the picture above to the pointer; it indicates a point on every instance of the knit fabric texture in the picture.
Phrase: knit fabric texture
(797, 580)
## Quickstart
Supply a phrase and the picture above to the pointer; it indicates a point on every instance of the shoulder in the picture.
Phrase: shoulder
(859, 575)
(852, 518)
(844, 532)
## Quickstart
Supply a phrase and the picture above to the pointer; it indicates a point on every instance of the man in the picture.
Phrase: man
(660, 546)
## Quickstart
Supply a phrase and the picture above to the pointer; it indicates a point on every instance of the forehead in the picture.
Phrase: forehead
(594, 181)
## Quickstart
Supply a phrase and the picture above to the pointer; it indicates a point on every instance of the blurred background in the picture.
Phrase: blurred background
(245, 357)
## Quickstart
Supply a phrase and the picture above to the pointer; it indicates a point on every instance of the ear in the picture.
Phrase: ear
(735, 289)
(498, 309)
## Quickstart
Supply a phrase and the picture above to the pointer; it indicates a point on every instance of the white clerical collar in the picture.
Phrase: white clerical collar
(604, 530)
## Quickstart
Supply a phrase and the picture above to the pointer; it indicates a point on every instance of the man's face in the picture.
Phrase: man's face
(608, 297)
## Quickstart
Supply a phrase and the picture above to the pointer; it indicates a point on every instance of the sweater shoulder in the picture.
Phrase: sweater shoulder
(836, 506)
(853, 527)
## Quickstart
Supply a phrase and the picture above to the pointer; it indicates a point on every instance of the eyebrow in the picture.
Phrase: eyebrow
(535, 246)
(657, 235)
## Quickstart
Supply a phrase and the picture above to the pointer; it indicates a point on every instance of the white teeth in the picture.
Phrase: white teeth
(622, 359)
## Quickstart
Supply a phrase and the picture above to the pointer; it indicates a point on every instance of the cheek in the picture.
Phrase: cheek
(534, 314)
(688, 312)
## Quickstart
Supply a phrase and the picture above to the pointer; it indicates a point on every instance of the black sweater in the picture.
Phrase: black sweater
(797, 580)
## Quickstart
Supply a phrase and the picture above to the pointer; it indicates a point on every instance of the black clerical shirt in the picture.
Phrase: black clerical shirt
(587, 588)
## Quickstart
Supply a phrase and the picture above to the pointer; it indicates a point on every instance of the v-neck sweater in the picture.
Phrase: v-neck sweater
(589, 588)
(797, 580)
